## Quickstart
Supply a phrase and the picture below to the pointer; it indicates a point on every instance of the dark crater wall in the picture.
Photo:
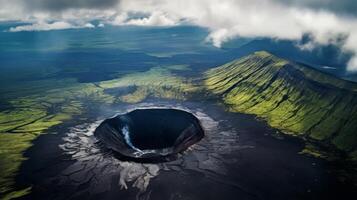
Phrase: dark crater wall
(149, 133)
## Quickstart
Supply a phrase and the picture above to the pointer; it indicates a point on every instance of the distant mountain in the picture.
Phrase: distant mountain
(328, 58)
(294, 98)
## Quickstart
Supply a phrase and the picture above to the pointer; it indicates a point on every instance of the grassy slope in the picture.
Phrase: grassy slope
(291, 97)
(29, 117)
(157, 82)
(32, 115)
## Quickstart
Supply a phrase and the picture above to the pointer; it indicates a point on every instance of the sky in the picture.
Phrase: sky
(323, 21)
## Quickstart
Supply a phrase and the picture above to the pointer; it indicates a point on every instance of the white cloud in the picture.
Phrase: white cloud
(119, 19)
(87, 25)
(352, 64)
(226, 19)
(154, 19)
(42, 26)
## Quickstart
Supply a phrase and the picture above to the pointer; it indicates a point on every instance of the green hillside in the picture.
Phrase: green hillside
(291, 97)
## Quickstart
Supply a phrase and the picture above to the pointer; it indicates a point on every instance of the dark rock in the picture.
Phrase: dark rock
(149, 134)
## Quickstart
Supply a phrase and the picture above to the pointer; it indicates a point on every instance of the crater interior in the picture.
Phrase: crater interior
(150, 133)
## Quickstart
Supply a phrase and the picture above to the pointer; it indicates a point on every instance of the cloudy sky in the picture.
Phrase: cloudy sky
(325, 21)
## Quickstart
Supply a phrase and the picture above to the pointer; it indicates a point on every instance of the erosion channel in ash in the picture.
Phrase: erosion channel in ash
(149, 135)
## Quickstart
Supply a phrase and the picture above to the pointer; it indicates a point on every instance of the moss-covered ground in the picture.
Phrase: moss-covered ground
(157, 82)
(294, 98)
(29, 115)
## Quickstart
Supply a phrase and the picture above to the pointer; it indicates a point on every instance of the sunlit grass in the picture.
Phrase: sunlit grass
(295, 99)
(33, 115)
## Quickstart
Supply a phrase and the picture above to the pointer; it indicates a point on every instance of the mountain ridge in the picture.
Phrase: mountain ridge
(291, 97)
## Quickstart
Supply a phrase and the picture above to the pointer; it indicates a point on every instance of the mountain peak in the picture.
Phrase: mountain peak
(292, 97)
(265, 59)
(266, 55)
(262, 54)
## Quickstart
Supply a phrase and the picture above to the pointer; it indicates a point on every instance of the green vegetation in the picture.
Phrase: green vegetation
(157, 82)
(293, 98)
(29, 116)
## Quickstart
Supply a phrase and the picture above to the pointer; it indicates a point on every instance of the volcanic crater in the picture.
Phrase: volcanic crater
(149, 135)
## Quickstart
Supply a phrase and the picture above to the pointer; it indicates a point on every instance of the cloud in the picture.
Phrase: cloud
(49, 26)
(153, 19)
(345, 7)
(325, 21)
(227, 19)
(352, 64)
